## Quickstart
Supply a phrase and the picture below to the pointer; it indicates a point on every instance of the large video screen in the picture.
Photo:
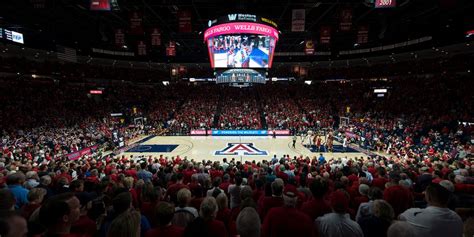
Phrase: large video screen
(241, 45)
(241, 51)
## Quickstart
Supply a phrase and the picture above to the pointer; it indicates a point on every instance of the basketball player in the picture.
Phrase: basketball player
(344, 144)
(318, 143)
(294, 140)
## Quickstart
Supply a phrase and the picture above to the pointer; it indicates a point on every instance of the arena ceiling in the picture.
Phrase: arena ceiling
(71, 23)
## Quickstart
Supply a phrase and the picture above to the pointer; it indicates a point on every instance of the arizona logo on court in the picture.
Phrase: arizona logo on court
(245, 149)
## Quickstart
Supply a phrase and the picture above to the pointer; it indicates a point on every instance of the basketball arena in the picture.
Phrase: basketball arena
(263, 118)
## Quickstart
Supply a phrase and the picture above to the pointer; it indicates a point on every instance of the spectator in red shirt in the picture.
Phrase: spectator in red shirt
(317, 205)
(398, 196)
(224, 213)
(287, 220)
(258, 191)
(164, 214)
(225, 183)
(64, 173)
(174, 188)
(380, 180)
(275, 200)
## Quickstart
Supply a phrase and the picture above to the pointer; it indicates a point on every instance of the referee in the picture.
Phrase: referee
(294, 140)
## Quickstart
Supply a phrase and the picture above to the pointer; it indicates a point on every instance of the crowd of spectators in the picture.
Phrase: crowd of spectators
(421, 125)
(239, 109)
(280, 109)
(175, 196)
(420, 184)
(198, 111)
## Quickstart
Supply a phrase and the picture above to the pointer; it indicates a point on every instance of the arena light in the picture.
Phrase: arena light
(308, 82)
(380, 91)
(166, 83)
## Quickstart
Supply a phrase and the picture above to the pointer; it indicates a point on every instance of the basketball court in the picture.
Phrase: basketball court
(215, 148)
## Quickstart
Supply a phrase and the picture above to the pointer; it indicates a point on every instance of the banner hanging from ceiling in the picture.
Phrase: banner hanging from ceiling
(119, 38)
(363, 34)
(155, 37)
(298, 18)
(38, 4)
(309, 47)
(385, 3)
(141, 48)
(345, 19)
(171, 49)
(184, 21)
(325, 35)
(136, 23)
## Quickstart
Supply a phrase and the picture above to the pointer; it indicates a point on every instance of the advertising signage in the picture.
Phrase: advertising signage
(12, 36)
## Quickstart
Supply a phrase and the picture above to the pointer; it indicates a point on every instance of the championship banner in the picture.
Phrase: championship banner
(182, 69)
(325, 35)
(171, 49)
(141, 48)
(100, 5)
(446, 4)
(309, 47)
(385, 3)
(298, 18)
(363, 35)
(184, 21)
(136, 22)
(345, 19)
(119, 38)
(38, 4)
(155, 37)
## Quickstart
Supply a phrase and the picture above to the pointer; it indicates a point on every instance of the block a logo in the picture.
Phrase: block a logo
(232, 17)
(246, 149)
